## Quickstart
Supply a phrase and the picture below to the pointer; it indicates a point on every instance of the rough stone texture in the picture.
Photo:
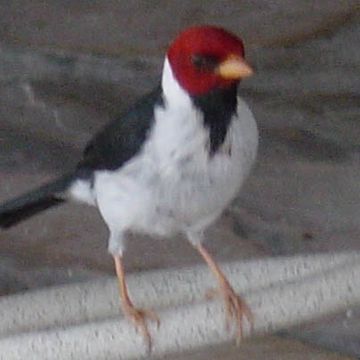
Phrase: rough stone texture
(60, 81)
(271, 348)
(83, 321)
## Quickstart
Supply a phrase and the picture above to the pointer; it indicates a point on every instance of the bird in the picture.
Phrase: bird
(170, 164)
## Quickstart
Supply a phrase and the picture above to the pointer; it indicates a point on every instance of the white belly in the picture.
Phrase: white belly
(175, 186)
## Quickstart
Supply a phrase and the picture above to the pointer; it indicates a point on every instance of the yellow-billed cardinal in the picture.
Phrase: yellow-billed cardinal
(171, 164)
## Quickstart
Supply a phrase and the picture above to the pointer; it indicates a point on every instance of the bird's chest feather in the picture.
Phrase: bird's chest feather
(185, 181)
(175, 182)
(178, 143)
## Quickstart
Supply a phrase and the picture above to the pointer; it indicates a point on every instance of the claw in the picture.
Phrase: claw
(139, 318)
(235, 309)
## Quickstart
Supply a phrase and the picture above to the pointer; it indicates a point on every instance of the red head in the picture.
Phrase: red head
(205, 58)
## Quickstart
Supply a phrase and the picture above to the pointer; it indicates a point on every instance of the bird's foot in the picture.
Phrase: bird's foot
(235, 307)
(139, 318)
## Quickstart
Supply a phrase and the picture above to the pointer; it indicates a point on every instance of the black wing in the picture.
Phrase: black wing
(110, 148)
(122, 138)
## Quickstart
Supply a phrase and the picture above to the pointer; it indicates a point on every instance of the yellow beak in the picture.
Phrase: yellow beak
(234, 68)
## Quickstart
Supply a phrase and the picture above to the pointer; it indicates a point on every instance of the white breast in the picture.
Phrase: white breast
(173, 184)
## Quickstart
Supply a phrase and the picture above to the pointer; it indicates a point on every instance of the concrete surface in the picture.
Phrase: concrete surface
(98, 299)
(60, 81)
(76, 322)
(270, 348)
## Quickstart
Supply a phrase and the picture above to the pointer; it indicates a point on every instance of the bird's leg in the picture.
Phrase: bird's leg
(137, 316)
(236, 308)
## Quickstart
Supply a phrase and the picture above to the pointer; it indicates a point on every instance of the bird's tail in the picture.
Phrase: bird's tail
(35, 201)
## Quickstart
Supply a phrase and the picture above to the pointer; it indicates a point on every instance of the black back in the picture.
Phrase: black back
(121, 139)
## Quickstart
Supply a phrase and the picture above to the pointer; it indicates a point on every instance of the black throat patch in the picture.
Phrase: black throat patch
(218, 108)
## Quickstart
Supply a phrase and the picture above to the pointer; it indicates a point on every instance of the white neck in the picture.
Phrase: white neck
(174, 94)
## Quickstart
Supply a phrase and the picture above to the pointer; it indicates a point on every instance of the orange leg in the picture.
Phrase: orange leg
(236, 308)
(137, 316)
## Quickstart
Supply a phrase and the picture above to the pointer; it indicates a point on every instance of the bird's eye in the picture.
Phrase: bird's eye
(204, 62)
